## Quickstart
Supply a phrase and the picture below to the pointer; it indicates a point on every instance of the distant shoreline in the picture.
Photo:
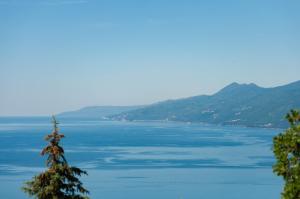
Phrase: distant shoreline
(46, 119)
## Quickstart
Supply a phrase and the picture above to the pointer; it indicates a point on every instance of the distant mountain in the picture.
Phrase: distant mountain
(236, 104)
(96, 112)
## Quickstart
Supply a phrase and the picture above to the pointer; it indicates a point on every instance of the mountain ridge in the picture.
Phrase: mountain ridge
(235, 104)
(96, 112)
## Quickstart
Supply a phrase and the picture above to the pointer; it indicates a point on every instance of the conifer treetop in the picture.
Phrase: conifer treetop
(59, 181)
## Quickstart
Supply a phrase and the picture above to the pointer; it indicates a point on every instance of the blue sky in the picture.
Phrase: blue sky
(58, 55)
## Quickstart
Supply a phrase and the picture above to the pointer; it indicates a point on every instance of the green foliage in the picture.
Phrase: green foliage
(287, 153)
(59, 181)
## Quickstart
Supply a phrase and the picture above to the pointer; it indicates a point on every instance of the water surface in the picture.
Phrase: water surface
(146, 159)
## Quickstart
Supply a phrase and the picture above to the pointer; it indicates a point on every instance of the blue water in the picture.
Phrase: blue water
(146, 160)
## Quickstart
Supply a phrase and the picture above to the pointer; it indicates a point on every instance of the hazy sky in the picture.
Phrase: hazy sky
(58, 55)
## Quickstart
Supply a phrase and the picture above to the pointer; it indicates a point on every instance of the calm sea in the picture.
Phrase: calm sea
(146, 160)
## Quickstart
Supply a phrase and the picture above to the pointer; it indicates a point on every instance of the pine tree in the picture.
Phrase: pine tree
(287, 153)
(60, 180)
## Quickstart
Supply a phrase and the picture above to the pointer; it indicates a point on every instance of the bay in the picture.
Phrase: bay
(146, 159)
